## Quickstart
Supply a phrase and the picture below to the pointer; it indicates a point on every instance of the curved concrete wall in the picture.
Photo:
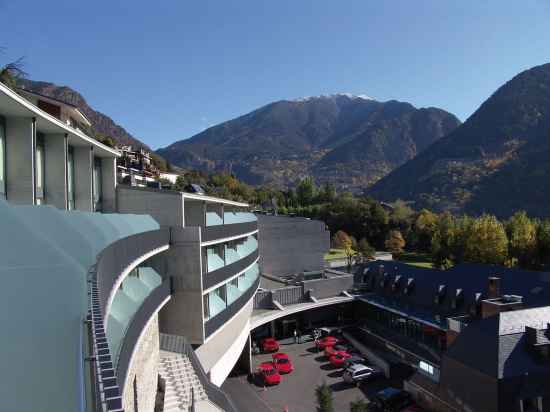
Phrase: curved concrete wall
(117, 260)
(216, 356)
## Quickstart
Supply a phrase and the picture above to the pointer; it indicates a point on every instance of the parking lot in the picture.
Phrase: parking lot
(296, 392)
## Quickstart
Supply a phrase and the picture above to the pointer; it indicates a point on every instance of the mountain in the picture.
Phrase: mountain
(498, 161)
(101, 123)
(351, 141)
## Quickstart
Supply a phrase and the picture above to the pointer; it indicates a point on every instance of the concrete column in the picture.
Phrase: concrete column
(55, 170)
(108, 183)
(83, 163)
(20, 141)
(183, 314)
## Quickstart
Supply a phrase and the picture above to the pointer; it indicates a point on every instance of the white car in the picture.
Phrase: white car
(357, 373)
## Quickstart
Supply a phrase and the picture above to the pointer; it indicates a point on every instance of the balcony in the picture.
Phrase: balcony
(228, 230)
(217, 321)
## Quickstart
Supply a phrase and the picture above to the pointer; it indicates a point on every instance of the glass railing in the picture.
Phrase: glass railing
(214, 261)
(129, 297)
(232, 292)
(213, 219)
(234, 251)
(238, 217)
(215, 303)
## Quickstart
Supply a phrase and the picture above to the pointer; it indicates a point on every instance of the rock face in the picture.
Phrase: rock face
(351, 141)
(100, 122)
(498, 161)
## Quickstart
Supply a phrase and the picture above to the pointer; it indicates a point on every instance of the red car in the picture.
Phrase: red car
(327, 341)
(329, 351)
(338, 358)
(270, 345)
(282, 362)
(269, 374)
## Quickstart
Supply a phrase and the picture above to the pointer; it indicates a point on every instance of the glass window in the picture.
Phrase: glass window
(97, 185)
(2, 158)
(70, 178)
(40, 168)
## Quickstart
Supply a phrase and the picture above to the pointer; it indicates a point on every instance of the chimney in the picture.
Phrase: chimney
(494, 288)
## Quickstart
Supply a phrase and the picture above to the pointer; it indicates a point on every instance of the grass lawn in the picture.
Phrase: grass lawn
(334, 254)
(422, 260)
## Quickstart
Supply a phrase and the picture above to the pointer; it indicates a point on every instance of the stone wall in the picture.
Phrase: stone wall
(143, 372)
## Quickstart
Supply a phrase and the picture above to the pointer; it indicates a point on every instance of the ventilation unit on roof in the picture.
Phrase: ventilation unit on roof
(395, 283)
(458, 299)
(409, 288)
(384, 281)
(440, 295)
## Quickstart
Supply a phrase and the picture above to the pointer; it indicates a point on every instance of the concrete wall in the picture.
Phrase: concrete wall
(19, 176)
(83, 178)
(108, 183)
(222, 350)
(194, 213)
(164, 206)
(183, 314)
(324, 288)
(55, 166)
(144, 370)
(291, 245)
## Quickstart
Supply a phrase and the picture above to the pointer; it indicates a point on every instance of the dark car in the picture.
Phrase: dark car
(391, 400)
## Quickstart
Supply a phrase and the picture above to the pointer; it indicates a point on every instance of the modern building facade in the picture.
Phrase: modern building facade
(46, 158)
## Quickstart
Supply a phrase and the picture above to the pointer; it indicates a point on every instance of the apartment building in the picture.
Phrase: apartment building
(46, 158)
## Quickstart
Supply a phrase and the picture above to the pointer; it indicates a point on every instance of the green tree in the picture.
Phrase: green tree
(487, 241)
(323, 393)
(359, 405)
(305, 191)
(425, 227)
(522, 236)
(365, 249)
(180, 183)
(543, 243)
(395, 242)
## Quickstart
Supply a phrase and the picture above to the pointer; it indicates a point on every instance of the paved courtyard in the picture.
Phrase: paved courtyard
(297, 390)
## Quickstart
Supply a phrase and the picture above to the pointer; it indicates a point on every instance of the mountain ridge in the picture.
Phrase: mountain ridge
(496, 161)
(283, 141)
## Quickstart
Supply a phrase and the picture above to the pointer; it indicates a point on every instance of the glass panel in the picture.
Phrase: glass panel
(217, 301)
(213, 215)
(70, 177)
(214, 256)
(2, 157)
(97, 185)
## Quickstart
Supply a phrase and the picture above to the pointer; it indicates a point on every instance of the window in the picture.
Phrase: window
(40, 169)
(97, 189)
(426, 367)
(2, 158)
(70, 178)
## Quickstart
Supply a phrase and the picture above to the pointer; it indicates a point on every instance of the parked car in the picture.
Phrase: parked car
(358, 373)
(282, 362)
(269, 374)
(338, 357)
(329, 351)
(270, 345)
(392, 400)
(354, 360)
(327, 341)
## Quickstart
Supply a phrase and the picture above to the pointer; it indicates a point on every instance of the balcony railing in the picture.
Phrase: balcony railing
(210, 233)
(118, 259)
(218, 276)
(152, 304)
(214, 323)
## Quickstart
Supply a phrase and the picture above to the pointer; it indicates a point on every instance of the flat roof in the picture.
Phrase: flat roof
(12, 104)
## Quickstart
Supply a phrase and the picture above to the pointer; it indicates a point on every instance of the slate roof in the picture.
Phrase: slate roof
(471, 279)
(501, 348)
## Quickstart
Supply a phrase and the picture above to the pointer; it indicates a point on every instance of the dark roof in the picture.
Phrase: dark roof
(501, 348)
(471, 279)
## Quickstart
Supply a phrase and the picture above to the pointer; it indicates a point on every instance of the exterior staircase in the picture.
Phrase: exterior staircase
(183, 387)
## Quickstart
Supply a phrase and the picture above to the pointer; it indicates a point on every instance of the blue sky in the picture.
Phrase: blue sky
(165, 70)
